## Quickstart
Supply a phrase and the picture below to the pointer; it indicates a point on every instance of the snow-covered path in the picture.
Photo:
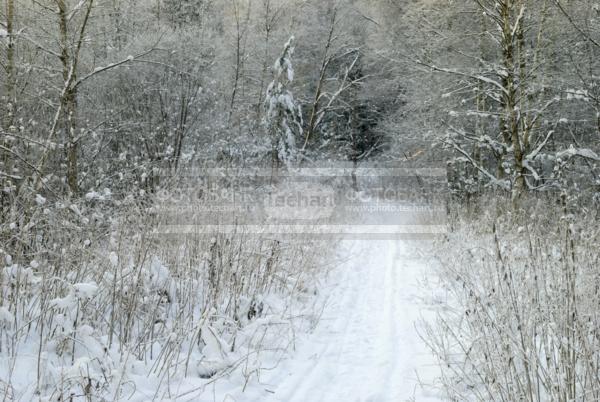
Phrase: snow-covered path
(366, 347)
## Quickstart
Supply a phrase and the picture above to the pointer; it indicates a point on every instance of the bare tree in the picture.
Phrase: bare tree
(241, 27)
(268, 23)
(513, 88)
(314, 111)
(70, 62)
(10, 84)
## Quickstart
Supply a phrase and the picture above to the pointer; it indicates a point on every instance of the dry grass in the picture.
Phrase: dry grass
(524, 322)
(92, 297)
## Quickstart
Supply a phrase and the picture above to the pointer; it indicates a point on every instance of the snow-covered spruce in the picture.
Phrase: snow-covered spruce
(283, 117)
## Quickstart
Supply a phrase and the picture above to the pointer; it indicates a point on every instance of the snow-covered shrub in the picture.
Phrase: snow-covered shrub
(522, 323)
(97, 306)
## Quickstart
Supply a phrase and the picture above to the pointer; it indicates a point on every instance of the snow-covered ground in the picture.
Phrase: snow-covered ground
(367, 346)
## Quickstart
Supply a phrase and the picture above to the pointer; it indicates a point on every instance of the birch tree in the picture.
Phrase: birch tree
(516, 88)
(72, 38)
(69, 58)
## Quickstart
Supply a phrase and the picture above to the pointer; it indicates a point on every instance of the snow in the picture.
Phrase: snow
(284, 64)
(39, 199)
(158, 274)
(281, 108)
(215, 353)
(85, 290)
(582, 152)
(366, 346)
(578, 94)
(5, 316)
(63, 302)
(94, 195)
(113, 258)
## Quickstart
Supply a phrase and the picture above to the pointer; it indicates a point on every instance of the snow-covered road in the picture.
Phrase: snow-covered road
(366, 347)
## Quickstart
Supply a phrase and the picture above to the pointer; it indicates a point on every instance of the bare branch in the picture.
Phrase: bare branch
(109, 67)
(575, 25)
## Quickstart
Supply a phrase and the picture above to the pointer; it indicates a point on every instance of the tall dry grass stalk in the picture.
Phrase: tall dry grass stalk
(93, 299)
(524, 322)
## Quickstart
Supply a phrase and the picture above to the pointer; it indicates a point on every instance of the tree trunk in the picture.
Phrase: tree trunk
(314, 112)
(240, 49)
(69, 60)
(510, 122)
(69, 100)
(72, 141)
(265, 67)
(10, 103)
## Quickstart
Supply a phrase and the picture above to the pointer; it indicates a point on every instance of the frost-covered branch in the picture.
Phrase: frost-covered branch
(493, 180)
(103, 69)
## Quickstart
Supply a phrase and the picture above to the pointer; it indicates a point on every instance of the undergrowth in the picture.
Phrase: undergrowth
(523, 322)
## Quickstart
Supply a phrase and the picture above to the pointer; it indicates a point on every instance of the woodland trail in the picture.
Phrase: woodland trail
(366, 347)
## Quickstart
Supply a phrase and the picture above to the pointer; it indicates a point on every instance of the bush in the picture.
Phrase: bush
(525, 289)
(95, 300)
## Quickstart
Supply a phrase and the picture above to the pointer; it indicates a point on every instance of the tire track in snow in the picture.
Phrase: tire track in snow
(366, 348)
(299, 384)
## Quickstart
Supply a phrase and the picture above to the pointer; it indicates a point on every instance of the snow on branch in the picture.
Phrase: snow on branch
(536, 151)
(477, 77)
(283, 117)
(493, 180)
(585, 153)
(99, 70)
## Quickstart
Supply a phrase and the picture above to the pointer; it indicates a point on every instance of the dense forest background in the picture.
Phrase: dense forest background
(506, 91)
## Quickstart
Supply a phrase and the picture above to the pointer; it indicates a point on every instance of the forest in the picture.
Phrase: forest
(139, 262)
